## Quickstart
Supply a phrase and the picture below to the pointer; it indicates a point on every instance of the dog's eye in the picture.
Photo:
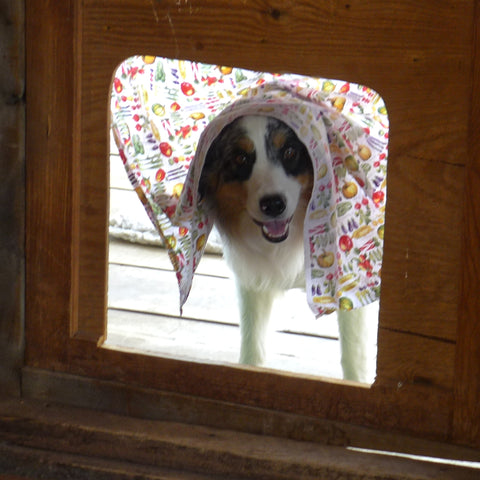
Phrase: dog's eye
(241, 159)
(241, 164)
(290, 154)
(295, 159)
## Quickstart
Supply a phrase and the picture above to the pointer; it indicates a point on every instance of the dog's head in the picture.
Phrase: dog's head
(257, 176)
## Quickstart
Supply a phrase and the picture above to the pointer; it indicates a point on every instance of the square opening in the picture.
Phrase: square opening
(143, 306)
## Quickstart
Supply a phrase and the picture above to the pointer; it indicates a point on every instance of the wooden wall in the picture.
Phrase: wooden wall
(421, 57)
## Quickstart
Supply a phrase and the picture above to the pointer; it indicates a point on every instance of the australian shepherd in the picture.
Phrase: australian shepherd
(256, 183)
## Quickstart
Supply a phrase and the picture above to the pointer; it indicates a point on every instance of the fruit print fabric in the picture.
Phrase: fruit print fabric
(166, 113)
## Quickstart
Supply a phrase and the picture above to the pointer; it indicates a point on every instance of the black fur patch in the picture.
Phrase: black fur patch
(227, 159)
(284, 147)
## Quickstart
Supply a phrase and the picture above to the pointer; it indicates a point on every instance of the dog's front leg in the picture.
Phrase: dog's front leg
(255, 307)
(358, 342)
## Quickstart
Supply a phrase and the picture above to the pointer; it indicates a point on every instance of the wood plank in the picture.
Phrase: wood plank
(181, 338)
(156, 291)
(135, 255)
(49, 188)
(420, 273)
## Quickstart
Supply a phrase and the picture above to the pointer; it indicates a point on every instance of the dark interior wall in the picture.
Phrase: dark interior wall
(12, 191)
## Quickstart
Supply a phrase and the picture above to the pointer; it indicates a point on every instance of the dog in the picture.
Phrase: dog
(256, 183)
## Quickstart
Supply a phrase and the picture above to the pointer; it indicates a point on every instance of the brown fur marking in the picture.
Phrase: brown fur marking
(279, 139)
(230, 201)
(246, 144)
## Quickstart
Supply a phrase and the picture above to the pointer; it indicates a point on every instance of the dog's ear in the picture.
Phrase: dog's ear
(210, 173)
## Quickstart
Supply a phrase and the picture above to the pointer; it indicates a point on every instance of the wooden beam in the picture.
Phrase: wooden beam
(49, 146)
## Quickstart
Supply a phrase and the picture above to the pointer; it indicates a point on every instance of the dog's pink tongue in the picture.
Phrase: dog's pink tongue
(275, 230)
(276, 227)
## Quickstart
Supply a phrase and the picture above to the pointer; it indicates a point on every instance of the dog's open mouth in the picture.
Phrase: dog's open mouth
(275, 230)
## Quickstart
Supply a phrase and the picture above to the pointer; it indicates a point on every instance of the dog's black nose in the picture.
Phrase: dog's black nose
(273, 205)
